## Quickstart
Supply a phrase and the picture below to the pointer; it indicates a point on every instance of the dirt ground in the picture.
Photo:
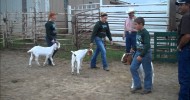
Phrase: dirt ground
(18, 81)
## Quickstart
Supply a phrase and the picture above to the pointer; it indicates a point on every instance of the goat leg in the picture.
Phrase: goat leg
(30, 61)
(45, 61)
(36, 59)
(72, 67)
(132, 84)
(52, 61)
(78, 67)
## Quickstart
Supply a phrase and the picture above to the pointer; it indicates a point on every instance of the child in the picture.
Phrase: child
(100, 31)
(51, 32)
(142, 55)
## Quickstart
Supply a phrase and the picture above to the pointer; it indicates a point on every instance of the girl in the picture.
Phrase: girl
(100, 31)
(51, 32)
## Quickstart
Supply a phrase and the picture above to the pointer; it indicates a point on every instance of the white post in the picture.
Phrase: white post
(168, 14)
(47, 4)
(69, 15)
(101, 3)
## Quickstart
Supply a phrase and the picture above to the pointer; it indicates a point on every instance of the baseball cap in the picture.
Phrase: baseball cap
(182, 2)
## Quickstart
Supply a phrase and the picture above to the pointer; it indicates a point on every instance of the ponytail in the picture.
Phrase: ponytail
(50, 15)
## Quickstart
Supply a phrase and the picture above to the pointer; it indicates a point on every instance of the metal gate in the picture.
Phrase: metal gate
(85, 17)
(165, 46)
(24, 30)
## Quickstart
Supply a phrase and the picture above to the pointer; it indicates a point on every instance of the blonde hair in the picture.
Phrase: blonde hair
(102, 14)
(51, 14)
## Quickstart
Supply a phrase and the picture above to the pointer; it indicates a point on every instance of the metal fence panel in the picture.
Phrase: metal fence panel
(165, 46)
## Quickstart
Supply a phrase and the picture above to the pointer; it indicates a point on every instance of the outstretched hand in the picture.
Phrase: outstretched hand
(111, 42)
(91, 45)
(132, 51)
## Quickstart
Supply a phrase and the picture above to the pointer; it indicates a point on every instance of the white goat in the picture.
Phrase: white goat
(43, 51)
(127, 58)
(142, 74)
(77, 58)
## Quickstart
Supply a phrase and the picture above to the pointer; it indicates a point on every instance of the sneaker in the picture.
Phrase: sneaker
(106, 69)
(134, 90)
(94, 67)
(146, 91)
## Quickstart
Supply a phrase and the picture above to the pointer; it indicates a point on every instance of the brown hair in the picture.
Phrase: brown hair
(140, 20)
(51, 14)
(102, 14)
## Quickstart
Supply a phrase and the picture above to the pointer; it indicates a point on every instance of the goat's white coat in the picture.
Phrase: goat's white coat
(43, 51)
(76, 60)
(142, 74)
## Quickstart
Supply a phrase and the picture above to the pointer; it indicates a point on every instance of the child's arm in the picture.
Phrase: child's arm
(95, 30)
(109, 33)
(146, 43)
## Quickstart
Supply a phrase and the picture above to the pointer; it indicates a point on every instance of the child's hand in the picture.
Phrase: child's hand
(139, 58)
(91, 45)
(111, 42)
(132, 51)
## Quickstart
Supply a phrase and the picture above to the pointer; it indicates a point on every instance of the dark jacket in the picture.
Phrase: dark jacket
(101, 30)
(50, 30)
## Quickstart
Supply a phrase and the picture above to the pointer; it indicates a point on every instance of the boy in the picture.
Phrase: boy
(142, 55)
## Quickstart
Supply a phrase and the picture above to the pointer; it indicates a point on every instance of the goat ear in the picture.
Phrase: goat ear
(59, 45)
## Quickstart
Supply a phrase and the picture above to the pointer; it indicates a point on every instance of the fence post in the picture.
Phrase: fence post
(6, 32)
(34, 34)
(69, 18)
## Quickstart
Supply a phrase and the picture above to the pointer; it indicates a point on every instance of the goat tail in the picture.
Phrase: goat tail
(29, 51)
(73, 53)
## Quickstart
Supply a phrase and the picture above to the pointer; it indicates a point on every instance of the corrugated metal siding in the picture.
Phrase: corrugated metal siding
(78, 2)
(16, 5)
(11, 5)
(16, 19)
(40, 5)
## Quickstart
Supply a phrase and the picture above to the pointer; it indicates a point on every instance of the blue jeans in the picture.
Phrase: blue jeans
(100, 48)
(49, 44)
(130, 41)
(184, 73)
(146, 62)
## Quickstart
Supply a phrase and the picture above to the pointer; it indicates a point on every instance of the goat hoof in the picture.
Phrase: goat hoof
(72, 73)
(30, 65)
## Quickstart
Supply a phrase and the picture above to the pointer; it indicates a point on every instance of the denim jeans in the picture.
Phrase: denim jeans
(100, 48)
(146, 62)
(184, 73)
(130, 41)
(49, 44)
